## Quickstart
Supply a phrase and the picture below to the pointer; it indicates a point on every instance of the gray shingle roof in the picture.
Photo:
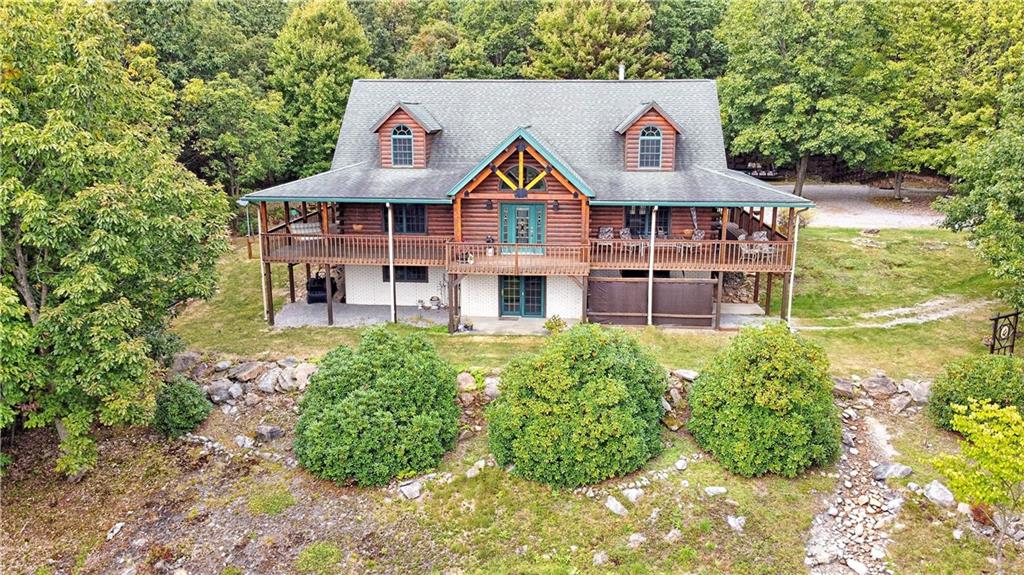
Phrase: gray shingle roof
(418, 111)
(576, 118)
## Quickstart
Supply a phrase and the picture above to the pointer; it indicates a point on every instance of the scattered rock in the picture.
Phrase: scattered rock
(115, 530)
(673, 536)
(879, 386)
(636, 540)
(268, 433)
(856, 566)
(633, 495)
(919, 391)
(600, 558)
(492, 387)
(286, 382)
(714, 490)
(867, 243)
(184, 361)
(220, 390)
(267, 382)
(222, 365)
(675, 398)
(939, 494)
(898, 403)
(681, 464)
(672, 422)
(466, 381)
(411, 490)
(685, 374)
(843, 388)
(303, 372)
(466, 398)
(247, 371)
(736, 523)
(244, 442)
(476, 469)
(615, 506)
(290, 361)
(870, 231)
(891, 470)
(665, 405)
(235, 390)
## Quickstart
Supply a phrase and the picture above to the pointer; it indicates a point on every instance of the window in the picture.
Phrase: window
(638, 220)
(529, 173)
(650, 147)
(401, 146)
(407, 274)
(409, 218)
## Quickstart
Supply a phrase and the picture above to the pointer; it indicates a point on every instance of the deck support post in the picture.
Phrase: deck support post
(261, 222)
(391, 262)
(650, 267)
(329, 286)
(291, 282)
(768, 294)
(794, 229)
(718, 301)
(586, 289)
(268, 295)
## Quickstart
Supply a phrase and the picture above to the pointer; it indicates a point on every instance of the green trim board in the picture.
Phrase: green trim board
(803, 204)
(541, 149)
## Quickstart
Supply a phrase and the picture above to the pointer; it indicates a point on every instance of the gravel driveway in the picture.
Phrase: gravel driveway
(857, 206)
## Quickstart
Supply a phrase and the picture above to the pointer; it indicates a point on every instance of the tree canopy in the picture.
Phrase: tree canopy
(102, 230)
(684, 30)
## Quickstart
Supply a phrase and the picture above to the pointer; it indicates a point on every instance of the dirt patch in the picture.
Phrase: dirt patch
(924, 312)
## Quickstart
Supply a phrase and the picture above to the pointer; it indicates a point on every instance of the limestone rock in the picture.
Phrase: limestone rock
(879, 386)
(736, 523)
(267, 383)
(600, 558)
(411, 490)
(681, 464)
(615, 506)
(184, 361)
(673, 536)
(220, 390)
(636, 540)
(268, 433)
(685, 374)
(492, 387)
(303, 372)
(466, 381)
(919, 391)
(714, 490)
(856, 566)
(244, 442)
(247, 371)
(633, 495)
(899, 402)
(890, 470)
(939, 494)
(842, 387)
(466, 398)
(235, 390)
(286, 381)
(222, 365)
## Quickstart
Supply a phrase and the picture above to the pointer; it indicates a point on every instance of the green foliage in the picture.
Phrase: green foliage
(764, 405)
(988, 470)
(271, 500)
(320, 558)
(585, 408)
(804, 79)
(180, 407)
(997, 379)
(555, 325)
(318, 54)
(495, 38)
(237, 137)
(163, 344)
(684, 30)
(102, 230)
(588, 39)
(385, 409)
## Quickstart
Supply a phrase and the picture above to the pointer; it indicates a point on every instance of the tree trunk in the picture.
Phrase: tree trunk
(898, 185)
(801, 174)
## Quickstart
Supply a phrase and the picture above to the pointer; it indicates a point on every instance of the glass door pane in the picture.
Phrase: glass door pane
(533, 296)
(509, 288)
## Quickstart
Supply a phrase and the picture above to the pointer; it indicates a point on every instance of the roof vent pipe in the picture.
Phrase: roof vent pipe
(622, 72)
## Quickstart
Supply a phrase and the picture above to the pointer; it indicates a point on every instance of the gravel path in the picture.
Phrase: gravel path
(857, 206)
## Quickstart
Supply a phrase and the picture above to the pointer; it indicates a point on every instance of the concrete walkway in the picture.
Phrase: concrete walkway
(300, 314)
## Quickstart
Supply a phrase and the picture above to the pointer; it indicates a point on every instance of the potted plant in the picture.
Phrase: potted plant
(490, 248)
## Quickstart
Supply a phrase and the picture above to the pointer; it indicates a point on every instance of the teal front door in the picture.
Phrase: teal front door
(522, 224)
(522, 295)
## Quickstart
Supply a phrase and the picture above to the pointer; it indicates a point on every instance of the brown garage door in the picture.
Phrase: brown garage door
(676, 302)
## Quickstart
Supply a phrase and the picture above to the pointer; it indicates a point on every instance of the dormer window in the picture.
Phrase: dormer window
(401, 146)
(650, 148)
(529, 174)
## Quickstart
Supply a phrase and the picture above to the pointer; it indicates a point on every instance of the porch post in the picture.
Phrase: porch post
(792, 264)
(268, 301)
(650, 268)
(291, 282)
(718, 301)
(786, 286)
(329, 286)
(391, 262)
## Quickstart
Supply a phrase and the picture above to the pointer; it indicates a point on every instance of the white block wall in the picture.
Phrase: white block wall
(480, 297)
(365, 285)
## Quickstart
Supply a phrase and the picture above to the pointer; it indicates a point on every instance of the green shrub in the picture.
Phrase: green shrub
(764, 404)
(180, 407)
(997, 379)
(555, 325)
(385, 409)
(586, 408)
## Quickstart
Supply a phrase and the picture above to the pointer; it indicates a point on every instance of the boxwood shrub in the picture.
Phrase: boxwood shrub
(383, 410)
(764, 404)
(585, 408)
(180, 407)
(997, 379)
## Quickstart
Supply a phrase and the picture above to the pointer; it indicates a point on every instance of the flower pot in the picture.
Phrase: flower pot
(358, 227)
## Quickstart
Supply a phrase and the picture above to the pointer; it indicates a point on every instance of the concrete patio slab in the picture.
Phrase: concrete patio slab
(300, 314)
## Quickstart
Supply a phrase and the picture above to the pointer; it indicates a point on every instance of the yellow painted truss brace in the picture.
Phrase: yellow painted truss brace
(505, 179)
(536, 180)
(521, 167)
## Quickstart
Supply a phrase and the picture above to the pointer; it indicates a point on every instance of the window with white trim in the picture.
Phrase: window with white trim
(650, 147)
(401, 146)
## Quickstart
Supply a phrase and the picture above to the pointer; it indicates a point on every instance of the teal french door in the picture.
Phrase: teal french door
(522, 224)
(521, 295)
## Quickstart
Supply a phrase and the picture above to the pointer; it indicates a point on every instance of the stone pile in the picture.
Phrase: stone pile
(233, 386)
(674, 401)
(880, 391)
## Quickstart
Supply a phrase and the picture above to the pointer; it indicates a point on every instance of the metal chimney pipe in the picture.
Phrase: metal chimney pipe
(622, 71)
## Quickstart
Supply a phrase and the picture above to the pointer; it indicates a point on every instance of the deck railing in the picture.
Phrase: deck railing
(353, 249)
(530, 259)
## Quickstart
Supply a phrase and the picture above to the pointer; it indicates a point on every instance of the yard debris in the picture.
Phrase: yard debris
(615, 506)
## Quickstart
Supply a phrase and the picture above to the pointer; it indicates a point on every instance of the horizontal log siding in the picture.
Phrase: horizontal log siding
(439, 219)
(679, 220)
(668, 142)
(419, 140)
(563, 226)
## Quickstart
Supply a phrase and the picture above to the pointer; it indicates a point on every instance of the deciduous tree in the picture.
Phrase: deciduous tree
(318, 54)
(684, 30)
(101, 230)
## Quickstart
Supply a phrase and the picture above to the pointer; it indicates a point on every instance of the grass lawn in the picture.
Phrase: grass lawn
(837, 281)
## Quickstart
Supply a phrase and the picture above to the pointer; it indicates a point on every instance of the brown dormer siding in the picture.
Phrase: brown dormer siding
(420, 140)
(668, 142)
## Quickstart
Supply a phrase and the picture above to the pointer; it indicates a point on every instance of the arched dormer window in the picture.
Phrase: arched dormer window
(401, 146)
(650, 147)
(529, 174)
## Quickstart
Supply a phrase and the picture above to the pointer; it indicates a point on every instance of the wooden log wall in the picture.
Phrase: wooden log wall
(420, 140)
(679, 219)
(668, 141)
(371, 216)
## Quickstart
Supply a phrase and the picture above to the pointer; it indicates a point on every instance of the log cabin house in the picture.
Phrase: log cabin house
(605, 201)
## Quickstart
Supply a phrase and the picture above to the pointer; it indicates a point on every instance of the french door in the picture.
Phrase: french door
(522, 224)
(521, 295)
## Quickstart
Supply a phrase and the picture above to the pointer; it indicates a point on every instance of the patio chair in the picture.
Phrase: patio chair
(631, 248)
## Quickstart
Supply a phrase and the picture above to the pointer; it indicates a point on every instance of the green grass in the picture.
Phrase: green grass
(270, 500)
(319, 558)
(836, 282)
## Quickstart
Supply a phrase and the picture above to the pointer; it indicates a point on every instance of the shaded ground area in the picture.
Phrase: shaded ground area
(301, 314)
(858, 206)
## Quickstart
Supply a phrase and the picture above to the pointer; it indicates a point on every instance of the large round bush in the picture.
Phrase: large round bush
(997, 379)
(586, 408)
(180, 407)
(385, 409)
(764, 404)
